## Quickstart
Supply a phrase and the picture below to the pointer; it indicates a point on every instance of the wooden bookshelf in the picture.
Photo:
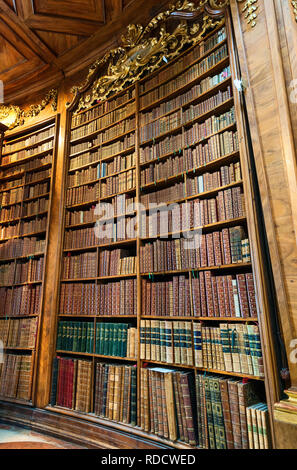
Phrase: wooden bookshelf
(24, 253)
(187, 129)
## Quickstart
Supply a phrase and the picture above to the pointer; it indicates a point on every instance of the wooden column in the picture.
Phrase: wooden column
(267, 56)
(48, 328)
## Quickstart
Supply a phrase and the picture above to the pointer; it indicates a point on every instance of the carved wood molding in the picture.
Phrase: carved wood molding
(143, 49)
(13, 116)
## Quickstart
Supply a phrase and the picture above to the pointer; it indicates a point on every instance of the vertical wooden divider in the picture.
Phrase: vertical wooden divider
(271, 376)
(52, 271)
(138, 242)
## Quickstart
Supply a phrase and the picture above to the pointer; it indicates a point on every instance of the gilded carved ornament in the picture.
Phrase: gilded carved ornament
(294, 4)
(13, 116)
(250, 8)
(143, 49)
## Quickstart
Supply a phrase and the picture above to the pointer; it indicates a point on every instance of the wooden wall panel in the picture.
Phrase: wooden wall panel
(264, 57)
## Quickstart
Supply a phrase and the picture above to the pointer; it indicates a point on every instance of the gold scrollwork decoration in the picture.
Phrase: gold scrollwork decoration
(13, 116)
(294, 4)
(142, 51)
(250, 8)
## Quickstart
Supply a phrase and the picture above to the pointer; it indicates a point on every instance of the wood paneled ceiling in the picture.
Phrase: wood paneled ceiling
(42, 41)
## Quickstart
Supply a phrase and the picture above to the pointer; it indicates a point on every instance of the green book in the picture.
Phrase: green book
(102, 338)
(116, 331)
(105, 350)
(60, 336)
(98, 333)
(75, 345)
(83, 337)
(124, 340)
(91, 344)
(79, 336)
(209, 414)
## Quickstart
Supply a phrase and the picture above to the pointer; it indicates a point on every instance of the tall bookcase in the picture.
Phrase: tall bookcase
(27, 169)
(155, 336)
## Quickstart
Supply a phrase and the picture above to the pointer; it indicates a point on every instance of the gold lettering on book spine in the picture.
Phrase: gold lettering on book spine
(143, 49)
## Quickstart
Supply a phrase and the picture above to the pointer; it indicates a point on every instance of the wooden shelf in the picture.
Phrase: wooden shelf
(117, 358)
(207, 268)
(200, 319)
(203, 369)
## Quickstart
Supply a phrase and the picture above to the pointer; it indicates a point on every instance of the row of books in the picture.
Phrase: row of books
(22, 300)
(102, 108)
(27, 141)
(11, 184)
(14, 157)
(118, 184)
(37, 176)
(102, 169)
(36, 190)
(35, 207)
(167, 406)
(115, 389)
(9, 214)
(116, 339)
(12, 230)
(225, 247)
(118, 206)
(21, 247)
(179, 164)
(214, 124)
(116, 393)
(200, 295)
(196, 110)
(112, 298)
(160, 126)
(166, 341)
(71, 384)
(191, 74)
(163, 124)
(88, 237)
(25, 167)
(184, 61)
(111, 133)
(182, 216)
(107, 120)
(20, 333)
(183, 101)
(7, 274)
(224, 296)
(228, 347)
(83, 265)
(29, 271)
(11, 197)
(116, 262)
(106, 151)
(230, 414)
(15, 376)
(195, 157)
(81, 194)
(110, 339)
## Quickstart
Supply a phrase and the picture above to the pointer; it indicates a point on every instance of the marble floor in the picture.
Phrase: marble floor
(14, 437)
